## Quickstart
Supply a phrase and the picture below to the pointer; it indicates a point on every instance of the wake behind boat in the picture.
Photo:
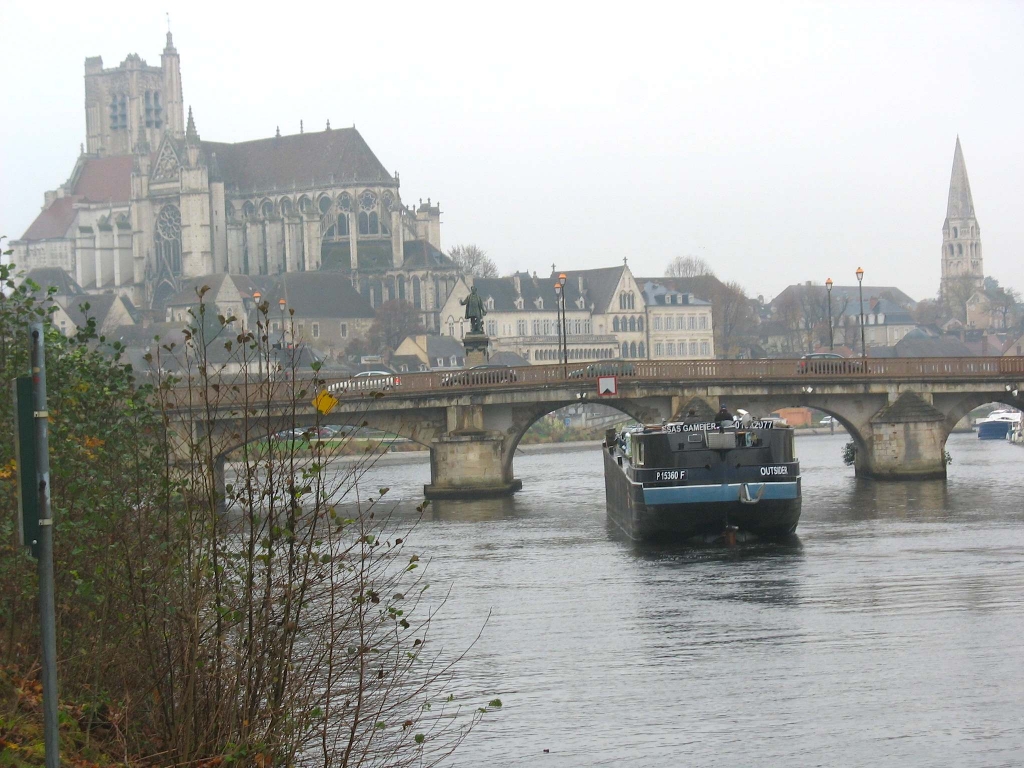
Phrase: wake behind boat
(699, 478)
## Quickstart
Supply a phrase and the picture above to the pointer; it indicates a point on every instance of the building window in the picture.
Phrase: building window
(316, 330)
(632, 349)
(671, 349)
(641, 350)
(659, 349)
(691, 322)
(547, 327)
(440, 362)
(625, 349)
(579, 326)
(267, 209)
(167, 240)
(492, 328)
(640, 323)
(587, 326)
(657, 322)
(632, 324)
(344, 330)
(536, 327)
(703, 324)
(615, 324)
(521, 327)
(693, 349)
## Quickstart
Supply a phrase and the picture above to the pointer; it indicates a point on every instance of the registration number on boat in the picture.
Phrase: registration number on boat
(670, 474)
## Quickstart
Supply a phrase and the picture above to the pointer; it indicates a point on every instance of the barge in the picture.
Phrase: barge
(699, 479)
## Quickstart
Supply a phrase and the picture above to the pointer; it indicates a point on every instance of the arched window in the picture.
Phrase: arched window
(451, 326)
(285, 205)
(324, 203)
(417, 299)
(625, 349)
(632, 349)
(305, 204)
(248, 210)
(341, 228)
(950, 249)
(956, 232)
(640, 326)
(401, 291)
(229, 210)
(167, 240)
(364, 223)
(959, 249)
(632, 322)
(615, 324)
(641, 351)
(374, 223)
(266, 209)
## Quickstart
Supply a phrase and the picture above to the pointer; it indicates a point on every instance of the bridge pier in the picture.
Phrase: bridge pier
(907, 441)
(469, 466)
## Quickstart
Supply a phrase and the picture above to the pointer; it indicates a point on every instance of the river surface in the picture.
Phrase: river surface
(889, 632)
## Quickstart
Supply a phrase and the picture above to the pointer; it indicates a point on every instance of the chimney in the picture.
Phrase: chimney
(516, 283)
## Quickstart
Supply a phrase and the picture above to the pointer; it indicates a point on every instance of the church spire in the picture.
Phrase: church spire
(961, 204)
(963, 269)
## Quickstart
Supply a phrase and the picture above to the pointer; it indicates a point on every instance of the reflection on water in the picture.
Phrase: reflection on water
(889, 631)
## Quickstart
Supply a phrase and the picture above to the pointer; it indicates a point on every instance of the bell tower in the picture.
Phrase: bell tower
(961, 235)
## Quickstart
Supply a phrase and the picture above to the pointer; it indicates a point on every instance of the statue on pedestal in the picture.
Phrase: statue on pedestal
(474, 311)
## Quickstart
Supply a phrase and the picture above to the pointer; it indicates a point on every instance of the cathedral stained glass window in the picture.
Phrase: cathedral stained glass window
(367, 200)
(344, 202)
(167, 239)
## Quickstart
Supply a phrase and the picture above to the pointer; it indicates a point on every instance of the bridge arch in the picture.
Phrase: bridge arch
(964, 404)
(525, 417)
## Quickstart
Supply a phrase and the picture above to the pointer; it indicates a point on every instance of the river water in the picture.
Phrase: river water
(889, 632)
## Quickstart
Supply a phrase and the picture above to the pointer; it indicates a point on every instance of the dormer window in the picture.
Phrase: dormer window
(519, 302)
(489, 303)
(539, 303)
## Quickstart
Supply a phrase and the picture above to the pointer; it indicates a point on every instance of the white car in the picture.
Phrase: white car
(370, 381)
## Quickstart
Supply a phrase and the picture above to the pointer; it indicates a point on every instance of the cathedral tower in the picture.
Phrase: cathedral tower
(961, 235)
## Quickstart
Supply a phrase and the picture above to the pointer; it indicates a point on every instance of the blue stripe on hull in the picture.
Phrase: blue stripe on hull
(700, 494)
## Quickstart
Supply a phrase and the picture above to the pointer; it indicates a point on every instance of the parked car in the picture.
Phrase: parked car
(480, 374)
(607, 368)
(370, 381)
(829, 362)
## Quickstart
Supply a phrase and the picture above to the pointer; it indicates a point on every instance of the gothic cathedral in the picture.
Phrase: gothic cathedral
(150, 205)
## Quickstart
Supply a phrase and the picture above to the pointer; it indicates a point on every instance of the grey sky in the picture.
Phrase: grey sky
(781, 142)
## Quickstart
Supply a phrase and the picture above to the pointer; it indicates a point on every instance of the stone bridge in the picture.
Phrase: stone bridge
(898, 412)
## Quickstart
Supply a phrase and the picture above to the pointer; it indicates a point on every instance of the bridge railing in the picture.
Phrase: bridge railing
(1009, 369)
(707, 370)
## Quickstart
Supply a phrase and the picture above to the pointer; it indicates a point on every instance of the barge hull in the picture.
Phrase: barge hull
(693, 511)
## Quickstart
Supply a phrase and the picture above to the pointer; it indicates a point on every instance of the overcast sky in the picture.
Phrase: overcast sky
(780, 142)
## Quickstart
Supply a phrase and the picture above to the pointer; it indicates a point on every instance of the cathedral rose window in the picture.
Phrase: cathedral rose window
(167, 239)
(388, 199)
(367, 200)
(344, 202)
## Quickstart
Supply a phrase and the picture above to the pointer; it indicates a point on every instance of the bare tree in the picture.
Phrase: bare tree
(688, 266)
(733, 318)
(395, 320)
(473, 260)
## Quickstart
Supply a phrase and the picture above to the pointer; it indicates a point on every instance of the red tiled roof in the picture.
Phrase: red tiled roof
(304, 159)
(53, 221)
(105, 179)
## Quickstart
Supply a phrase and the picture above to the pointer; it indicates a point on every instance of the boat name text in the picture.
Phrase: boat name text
(765, 471)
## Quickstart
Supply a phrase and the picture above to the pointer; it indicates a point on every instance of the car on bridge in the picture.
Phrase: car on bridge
(829, 362)
(480, 374)
(368, 381)
(607, 368)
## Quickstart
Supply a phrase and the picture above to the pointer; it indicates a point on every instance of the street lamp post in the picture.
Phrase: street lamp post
(831, 338)
(860, 290)
(565, 330)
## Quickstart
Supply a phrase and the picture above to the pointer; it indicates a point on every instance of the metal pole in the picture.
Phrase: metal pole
(47, 624)
(863, 348)
(831, 339)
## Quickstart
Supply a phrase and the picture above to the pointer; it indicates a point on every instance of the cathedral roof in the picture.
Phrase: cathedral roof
(53, 221)
(104, 179)
(420, 254)
(332, 157)
(961, 204)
